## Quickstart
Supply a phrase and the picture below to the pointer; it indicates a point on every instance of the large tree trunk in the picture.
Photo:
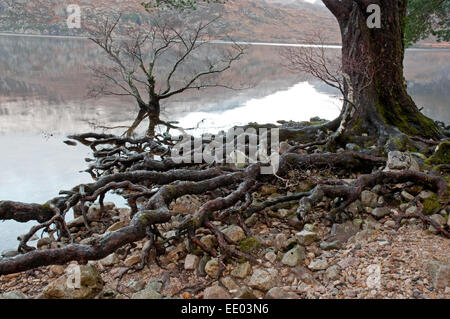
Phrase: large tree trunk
(153, 116)
(373, 67)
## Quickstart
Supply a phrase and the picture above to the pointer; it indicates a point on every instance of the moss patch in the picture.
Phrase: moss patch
(442, 155)
(430, 205)
(249, 245)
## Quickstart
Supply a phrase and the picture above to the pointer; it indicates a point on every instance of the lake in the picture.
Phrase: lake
(43, 98)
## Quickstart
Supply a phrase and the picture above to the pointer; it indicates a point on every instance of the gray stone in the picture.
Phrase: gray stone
(425, 194)
(10, 253)
(245, 293)
(354, 207)
(109, 260)
(147, 293)
(261, 280)
(209, 241)
(306, 237)
(44, 241)
(318, 264)
(411, 210)
(216, 292)
(191, 262)
(407, 196)
(235, 233)
(401, 161)
(202, 264)
(369, 198)
(271, 256)
(440, 274)
(342, 232)
(154, 284)
(212, 268)
(13, 295)
(330, 245)
(279, 293)
(229, 283)
(280, 242)
(242, 270)
(333, 272)
(294, 256)
(79, 282)
(380, 212)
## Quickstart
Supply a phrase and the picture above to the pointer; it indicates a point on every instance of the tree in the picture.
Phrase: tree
(425, 18)
(147, 62)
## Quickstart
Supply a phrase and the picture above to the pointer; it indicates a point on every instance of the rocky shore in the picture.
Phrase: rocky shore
(373, 254)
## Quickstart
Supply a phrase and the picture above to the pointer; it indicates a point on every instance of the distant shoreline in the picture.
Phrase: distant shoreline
(256, 43)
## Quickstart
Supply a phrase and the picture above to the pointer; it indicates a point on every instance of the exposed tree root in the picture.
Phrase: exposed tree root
(156, 183)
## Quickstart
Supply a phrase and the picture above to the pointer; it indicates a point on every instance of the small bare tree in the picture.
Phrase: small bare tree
(328, 66)
(154, 62)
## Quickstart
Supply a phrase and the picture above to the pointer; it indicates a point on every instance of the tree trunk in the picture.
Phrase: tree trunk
(153, 116)
(372, 61)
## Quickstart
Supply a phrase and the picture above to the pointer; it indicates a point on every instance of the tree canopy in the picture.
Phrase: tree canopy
(425, 18)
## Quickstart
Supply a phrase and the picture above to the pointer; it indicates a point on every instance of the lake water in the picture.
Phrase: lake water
(43, 89)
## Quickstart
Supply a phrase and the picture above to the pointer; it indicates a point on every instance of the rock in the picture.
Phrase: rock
(333, 272)
(425, 195)
(132, 260)
(13, 295)
(212, 268)
(294, 256)
(187, 204)
(330, 245)
(354, 207)
(117, 226)
(252, 220)
(110, 260)
(318, 264)
(245, 293)
(380, 212)
(242, 270)
(95, 212)
(280, 242)
(202, 264)
(407, 195)
(271, 256)
(411, 210)
(390, 224)
(401, 161)
(154, 284)
(209, 241)
(125, 214)
(284, 147)
(348, 262)
(216, 292)
(57, 269)
(191, 262)
(295, 223)
(229, 283)
(147, 293)
(10, 253)
(306, 237)
(79, 282)
(440, 274)
(439, 219)
(44, 241)
(279, 293)
(137, 285)
(235, 233)
(268, 190)
(369, 199)
(342, 232)
(261, 280)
